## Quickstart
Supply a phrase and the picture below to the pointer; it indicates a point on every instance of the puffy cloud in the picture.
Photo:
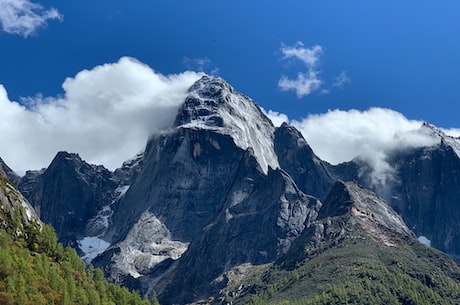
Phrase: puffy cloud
(306, 82)
(303, 85)
(23, 17)
(309, 56)
(339, 136)
(106, 115)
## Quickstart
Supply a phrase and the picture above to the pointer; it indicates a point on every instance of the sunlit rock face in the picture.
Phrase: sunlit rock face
(312, 175)
(349, 212)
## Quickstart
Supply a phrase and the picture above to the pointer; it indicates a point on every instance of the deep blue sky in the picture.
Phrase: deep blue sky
(404, 55)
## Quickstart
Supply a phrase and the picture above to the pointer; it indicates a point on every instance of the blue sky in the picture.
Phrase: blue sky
(401, 55)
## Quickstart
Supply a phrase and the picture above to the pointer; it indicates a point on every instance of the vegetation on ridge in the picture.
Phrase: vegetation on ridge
(361, 272)
(36, 270)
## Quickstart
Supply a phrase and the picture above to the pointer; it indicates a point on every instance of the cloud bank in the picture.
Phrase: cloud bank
(106, 115)
(24, 18)
(339, 136)
(306, 82)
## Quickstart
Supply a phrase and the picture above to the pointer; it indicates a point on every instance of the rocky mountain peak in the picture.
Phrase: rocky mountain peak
(212, 104)
(365, 208)
(203, 101)
(349, 213)
(449, 141)
(69, 193)
(296, 157)
(71, 159)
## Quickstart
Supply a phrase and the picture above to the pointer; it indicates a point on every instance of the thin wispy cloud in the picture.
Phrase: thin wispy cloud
(106, 115)
(202, 64)
(24, 18)
(308, 81)
(341, 80)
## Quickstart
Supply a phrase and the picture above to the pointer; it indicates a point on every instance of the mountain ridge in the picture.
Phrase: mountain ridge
(354, 254)
(220, 194)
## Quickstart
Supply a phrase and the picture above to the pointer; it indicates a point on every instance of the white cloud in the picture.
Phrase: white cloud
(306, 82)
(23, 17)
(203, 64)
(276, 117)
(303, 85)
(453, 132)
(341, 80)
(424, 240)
(339, 136)
(309, 56)
(106, 115)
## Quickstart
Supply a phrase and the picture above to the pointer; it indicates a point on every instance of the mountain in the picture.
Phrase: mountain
(16, 214)
(424, 188)
(68, 194)
(358, 251)
(34, 269)
(223, 196)
(205, 182)
(311, 174)
(427, 190)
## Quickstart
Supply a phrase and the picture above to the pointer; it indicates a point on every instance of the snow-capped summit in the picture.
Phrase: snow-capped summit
(445, 139)
(213, 104)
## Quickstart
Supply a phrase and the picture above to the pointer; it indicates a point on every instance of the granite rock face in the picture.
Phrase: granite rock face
(349, 212)
(68, 194)
(427, 195)
(312, 175)
(261, 216)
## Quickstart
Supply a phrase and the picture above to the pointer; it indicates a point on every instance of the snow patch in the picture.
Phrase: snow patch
(424, 240)
(97, 226)
(28, 210)
(148, 243)
(92, 247)
(121, 191)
